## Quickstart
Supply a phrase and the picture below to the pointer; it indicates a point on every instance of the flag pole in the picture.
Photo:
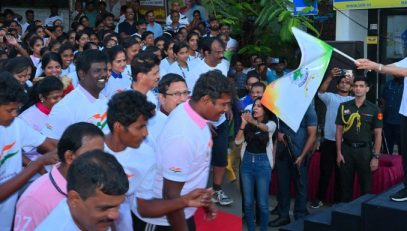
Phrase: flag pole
(346, 56)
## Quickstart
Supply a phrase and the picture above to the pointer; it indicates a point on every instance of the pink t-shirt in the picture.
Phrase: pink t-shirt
(39, 200)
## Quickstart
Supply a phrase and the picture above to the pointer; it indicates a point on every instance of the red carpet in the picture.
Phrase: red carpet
(223, 222)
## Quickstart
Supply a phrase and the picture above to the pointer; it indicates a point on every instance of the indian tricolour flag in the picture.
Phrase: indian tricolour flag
(289, 96)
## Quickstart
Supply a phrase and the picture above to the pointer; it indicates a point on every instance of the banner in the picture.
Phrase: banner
(368, 4)
(290, 96)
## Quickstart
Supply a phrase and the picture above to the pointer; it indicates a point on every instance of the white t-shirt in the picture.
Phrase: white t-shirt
(116, 85)
(74, 78)
(34, 117)
(164, 65)
(77, 106)
(151, 97)
(186, 73)
(232, 44)
(59, 219)
(183, 154)
(332, 102)
(50, 20)
(182, 20)
(69, 69)
(403, 106)
(200, 67)
(140, 166)
(13, 138)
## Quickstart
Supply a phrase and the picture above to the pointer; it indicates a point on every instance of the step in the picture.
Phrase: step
(297, 225)
(381, 213)
(348, 217)
(320, 221)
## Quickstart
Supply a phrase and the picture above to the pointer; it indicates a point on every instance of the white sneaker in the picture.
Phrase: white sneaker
(221, 198)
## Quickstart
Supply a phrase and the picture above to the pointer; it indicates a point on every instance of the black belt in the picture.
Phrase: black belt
(356, 144)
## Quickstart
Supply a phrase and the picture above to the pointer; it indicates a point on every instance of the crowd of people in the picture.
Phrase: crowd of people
(118, 122)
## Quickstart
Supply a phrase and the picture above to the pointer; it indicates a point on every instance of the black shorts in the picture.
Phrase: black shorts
(220, 145)
(139, 225)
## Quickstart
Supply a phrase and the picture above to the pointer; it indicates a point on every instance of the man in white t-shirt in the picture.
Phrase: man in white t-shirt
(184, 148)
(232, 44)
(399, 70)
(45, 193)
(127, 118)
(15, 134)
(175, 6)
(84, 103)
(146, 74)
(96, 184)
(213, 49)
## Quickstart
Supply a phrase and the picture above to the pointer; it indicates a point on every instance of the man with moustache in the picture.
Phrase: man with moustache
(213, 28)
(84, 103)
(96, 184)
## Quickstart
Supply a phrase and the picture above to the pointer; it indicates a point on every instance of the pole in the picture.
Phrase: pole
(346, 56)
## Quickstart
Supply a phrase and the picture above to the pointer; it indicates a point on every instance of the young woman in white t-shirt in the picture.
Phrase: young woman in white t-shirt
(132, 47)
(180, 66)
(36, 44)
(66, 52)
(256, 133)
(117, 82)
(169, 59)
(192, 40)
(51, 63)
(21, 68)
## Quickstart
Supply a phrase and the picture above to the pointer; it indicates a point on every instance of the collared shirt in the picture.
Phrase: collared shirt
(359, 122)
(332, 102)
(156, 29)
(392, 94)
(39, 200)
(183, 154)
(246, 101)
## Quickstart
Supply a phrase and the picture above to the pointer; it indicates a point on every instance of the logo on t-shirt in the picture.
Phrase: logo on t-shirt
(6, 152)
(176, 169)
(100, 120)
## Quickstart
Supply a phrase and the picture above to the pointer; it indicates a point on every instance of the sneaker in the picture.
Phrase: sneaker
(221, 198)
(400, 195)
(316, 204)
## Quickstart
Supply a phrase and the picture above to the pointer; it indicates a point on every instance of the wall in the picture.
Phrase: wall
(347, 30)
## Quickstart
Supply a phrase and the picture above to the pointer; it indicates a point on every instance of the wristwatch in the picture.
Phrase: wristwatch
(376, 155)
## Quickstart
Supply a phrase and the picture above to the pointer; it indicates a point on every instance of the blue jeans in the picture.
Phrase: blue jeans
(286, 173)
(255, 171)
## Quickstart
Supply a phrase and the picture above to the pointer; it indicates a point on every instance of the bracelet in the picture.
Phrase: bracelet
(241, 128)
(380, 67)
(376, 155)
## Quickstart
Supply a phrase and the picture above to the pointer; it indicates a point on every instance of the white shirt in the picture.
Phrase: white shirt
(232, 44)
(183, 154)
(403, 106)
(59, 219)
(69, 69)
(140, 167)
(182, 20)
(164, 65)
(74, 78)
(116, 85)
(77, 106)
(50, 20)
(13, 138)
(151, 97)
(186, 73)
(332, 102)
(200, 67)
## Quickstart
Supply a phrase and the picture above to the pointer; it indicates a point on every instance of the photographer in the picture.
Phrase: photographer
(331, 100)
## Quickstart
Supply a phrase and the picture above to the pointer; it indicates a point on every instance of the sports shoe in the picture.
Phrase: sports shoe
(221, 198)
(316, 204)
(400, 195)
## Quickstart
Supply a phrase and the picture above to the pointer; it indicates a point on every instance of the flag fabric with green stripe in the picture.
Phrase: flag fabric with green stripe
(289, 96)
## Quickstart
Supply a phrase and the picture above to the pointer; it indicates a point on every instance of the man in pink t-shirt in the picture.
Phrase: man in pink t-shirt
(46, 192)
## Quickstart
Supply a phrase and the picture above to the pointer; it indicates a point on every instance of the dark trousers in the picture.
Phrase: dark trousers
(139, 225)
(356, 160)
(392, 136)
(327, 165)
(403, 137)
(287, 173)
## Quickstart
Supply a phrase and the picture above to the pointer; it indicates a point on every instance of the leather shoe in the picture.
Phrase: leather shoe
(279, 222)
(274, 211)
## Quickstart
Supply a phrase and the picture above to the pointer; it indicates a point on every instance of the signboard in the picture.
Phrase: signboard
(158, 6)
(372, 40)
(368, 4)
(300, 8)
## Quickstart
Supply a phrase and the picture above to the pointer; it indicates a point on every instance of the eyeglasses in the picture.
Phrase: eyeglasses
(179, 94)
